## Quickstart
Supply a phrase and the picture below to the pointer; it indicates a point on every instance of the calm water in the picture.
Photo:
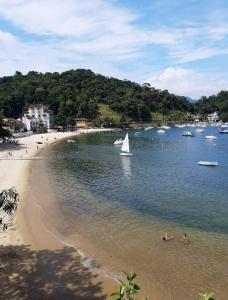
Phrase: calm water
(116, 209)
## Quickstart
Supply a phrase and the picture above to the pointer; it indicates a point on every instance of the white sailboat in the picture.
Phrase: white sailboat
(125, 147)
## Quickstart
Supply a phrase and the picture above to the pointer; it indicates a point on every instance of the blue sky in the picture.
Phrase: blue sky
(177, 45)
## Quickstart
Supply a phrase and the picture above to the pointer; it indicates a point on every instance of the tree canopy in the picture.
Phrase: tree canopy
(218, 103)
(3, 132)
(78, 93)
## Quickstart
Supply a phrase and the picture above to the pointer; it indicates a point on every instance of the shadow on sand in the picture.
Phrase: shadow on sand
(45, 274)
(11, 146)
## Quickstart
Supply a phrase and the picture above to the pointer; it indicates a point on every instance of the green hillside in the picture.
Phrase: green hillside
(82, 93)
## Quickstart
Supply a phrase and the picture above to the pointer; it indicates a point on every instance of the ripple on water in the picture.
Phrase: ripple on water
(121, 207)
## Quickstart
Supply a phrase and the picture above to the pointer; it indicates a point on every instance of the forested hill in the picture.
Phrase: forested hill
(218, 103)
(80, 93)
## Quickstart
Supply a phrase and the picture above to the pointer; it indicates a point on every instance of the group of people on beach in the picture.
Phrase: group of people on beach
(168, 237)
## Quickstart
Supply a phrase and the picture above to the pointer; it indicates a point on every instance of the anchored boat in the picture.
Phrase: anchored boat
(188, 133)
(125, 147)
(208, 163)
(160, 131)
(224, 131)
(118, 142)
(210, 137)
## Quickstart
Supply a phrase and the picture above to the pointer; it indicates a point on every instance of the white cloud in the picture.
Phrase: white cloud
(68, 17)
(188, 82)
(96, 34)
(109, 29)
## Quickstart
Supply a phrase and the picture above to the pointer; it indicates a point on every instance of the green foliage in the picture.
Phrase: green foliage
(3, 132)
(224, 116)
(9, 200)
(127, 289)
(81, 93)
(8, 204)
(218, 103)
(174, 115)
(206, 296)
(106, 112)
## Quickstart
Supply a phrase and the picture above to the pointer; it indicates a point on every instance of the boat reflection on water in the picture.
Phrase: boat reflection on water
(126, 166)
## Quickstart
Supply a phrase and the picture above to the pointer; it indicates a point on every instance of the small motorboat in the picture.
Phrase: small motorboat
(210, 137)
(70, 141)
(224, 131)
(148, 128)
(188, 133)
(180, 125)
(165, 127)
(118, 142)
(199, 130)
(161, 131)
(208, 163)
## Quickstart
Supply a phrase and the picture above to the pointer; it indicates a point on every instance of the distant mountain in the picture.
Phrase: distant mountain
(191, 100)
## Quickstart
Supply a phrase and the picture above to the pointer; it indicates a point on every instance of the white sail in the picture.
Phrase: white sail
(125, 146)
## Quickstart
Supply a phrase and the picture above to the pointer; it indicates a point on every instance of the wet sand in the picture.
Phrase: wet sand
(42, 267)
(51, 268)
(111, 237)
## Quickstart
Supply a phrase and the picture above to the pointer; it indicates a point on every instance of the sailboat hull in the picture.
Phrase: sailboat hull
(126, 154)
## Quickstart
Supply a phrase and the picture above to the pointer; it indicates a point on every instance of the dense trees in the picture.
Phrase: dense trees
(218, 103)
(78, 93)
(3, 132)
(8, 205)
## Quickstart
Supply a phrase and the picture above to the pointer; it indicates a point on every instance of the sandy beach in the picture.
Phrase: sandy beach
(43, 256)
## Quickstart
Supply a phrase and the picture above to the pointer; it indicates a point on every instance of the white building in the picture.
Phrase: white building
(214, 117)
(38, 118)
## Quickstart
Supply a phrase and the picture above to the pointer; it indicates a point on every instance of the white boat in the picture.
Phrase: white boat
(118, 142)
(188, 133)
(208, 163)
(224, 131)
(210, 137)
(180, 125)
(165, 127)
(148, 128)
(199, 130)
(125, 147)
(161, 131)
(138, 133)
(70, 141)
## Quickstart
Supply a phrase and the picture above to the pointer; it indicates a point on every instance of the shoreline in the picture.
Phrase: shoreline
(29, 228)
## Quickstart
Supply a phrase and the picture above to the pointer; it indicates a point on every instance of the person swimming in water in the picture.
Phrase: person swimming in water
(167, 237)
(185, 239)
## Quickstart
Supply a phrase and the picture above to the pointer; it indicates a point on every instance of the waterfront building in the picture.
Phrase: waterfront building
(82, 123)
(214, 117)
(39, 118)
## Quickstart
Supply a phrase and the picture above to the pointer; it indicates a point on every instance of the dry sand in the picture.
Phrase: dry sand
(57, 267)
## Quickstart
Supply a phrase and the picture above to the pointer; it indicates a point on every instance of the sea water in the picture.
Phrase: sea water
(116, 209)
